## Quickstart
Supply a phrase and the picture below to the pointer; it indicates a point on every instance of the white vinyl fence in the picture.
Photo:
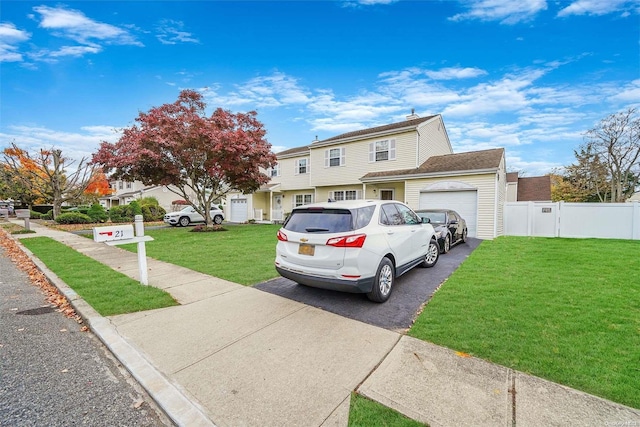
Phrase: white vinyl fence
(560, 219)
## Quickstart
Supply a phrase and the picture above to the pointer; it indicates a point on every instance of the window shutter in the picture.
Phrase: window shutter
(392, 149)
(331, 195)
(308, 165)
(342, 156)
(326, 158)
(372, 152)
(358, 194)
(293, 202)
(297, 171)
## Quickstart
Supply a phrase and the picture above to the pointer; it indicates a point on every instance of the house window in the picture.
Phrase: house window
(334, 157)
(345, 195)
(380, 151)
(120, 185)
(128, 185)
(274, 171)
(302, 166)
(302, 199)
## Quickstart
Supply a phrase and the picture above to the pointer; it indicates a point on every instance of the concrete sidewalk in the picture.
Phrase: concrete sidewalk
(232, 355)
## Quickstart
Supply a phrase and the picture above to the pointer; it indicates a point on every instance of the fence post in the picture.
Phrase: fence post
(530, 219)
(142, 250)
(559, 206)
(635, 221)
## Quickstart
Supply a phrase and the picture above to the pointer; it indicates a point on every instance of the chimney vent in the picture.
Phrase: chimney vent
(413, 115)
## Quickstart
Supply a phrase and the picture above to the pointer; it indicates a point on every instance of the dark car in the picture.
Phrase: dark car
(450, 227)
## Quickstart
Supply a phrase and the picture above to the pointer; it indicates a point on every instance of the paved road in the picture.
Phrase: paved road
(411, 290)
(52, 373)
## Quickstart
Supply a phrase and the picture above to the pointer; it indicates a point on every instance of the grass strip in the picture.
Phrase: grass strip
(365, 413)
(567, 310)
(106, 290)
(242, 253)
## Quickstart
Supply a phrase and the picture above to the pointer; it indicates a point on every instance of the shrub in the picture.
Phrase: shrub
(203, 228)
(73, 218)
(35, 215)
(153, 213)
(134, 209)
(97, 213)
(118, 214)
(48, 215)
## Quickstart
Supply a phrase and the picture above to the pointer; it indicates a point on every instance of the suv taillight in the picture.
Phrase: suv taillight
(282, 237)
(355, 241)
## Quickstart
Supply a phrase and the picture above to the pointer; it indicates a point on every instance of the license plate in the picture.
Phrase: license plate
(306, 249)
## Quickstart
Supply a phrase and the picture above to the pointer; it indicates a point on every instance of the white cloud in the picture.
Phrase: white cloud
(629, 93)
(10, 37)
(172, 32)
(506, 11)
(599, 7)
(455, 73)
(74, 145)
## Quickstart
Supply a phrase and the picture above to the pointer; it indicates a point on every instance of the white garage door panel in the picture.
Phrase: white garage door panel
(239, 210)
(463, 202)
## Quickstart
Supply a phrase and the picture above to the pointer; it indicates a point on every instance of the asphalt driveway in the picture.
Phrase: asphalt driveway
(410, 292)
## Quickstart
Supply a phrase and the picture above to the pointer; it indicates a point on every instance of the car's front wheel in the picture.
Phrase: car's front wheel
(431, 258)
(447, 244)
(464, 235)
(383, 282)
(217, 219)
(184, 221)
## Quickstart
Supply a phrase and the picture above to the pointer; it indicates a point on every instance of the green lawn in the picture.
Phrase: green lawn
(244, 254)
(567, 310)
(366, 413)
(106, 290)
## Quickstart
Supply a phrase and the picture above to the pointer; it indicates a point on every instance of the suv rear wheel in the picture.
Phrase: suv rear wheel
(383, 282)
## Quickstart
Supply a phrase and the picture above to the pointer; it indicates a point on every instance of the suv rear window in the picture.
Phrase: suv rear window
(329, 220)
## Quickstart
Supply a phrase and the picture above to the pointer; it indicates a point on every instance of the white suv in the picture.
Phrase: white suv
(354, 246)
(188, 215)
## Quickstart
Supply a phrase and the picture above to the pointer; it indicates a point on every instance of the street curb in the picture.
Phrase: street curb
(167, 396)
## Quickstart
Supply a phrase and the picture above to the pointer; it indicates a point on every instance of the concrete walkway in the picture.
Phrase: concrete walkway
(232, 355)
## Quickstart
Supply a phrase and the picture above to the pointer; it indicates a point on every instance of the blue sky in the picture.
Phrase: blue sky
(527, 75)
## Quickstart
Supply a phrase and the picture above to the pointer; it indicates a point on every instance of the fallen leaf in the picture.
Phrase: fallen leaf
(462, 354)
(138, 403)
(21, 329)
(63, 330)
(64, 370)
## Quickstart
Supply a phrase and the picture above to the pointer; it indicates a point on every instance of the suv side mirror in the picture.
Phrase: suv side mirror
(426, 220)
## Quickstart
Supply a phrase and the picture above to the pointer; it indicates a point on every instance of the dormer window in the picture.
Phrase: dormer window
(274, 171)
(380, 151)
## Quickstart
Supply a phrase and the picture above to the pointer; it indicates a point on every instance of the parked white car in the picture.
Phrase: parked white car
(358, 246)
(188, 215)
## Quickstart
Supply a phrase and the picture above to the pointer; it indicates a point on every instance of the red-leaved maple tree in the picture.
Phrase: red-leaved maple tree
(198, 157)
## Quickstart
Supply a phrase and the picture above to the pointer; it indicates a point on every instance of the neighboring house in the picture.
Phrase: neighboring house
(125, 192)
(635, 197)
(410, 161)
(528, 189)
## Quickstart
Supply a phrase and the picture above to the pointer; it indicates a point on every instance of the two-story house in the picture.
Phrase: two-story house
(124, 192)
(411, 161)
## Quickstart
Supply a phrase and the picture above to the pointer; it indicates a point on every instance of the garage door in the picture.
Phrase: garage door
(463, 202)
(239, 210)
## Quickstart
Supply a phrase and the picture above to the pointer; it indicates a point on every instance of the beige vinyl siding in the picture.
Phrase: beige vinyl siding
(288, 178)
(357, 162)
(486, 188)
(433, 140)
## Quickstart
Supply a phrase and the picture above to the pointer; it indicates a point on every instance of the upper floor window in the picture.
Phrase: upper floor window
(334, 157)
(128, 185)
(380, 151)
(274, 171)
(120, 185)
(302, 166)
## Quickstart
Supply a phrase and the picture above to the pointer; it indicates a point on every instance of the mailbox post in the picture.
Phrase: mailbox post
(24, 214)
(123, 234)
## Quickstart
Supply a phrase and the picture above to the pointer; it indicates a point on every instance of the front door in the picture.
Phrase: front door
(386, 194)
(277, 215)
